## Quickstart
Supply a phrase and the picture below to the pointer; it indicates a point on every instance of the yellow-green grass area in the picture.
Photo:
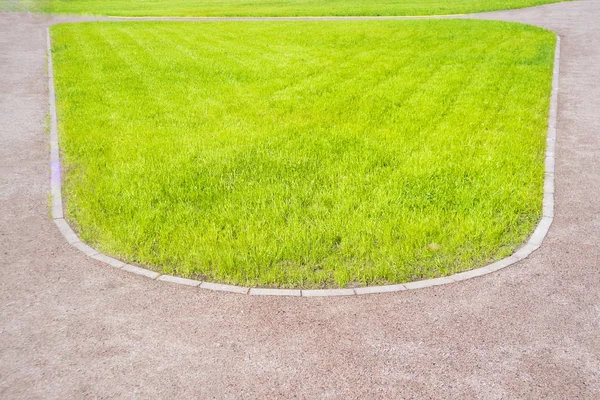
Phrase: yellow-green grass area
(266, 7)
(304, 154)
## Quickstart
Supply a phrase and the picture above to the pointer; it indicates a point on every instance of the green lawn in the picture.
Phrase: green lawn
(304, 154)
(266, 7)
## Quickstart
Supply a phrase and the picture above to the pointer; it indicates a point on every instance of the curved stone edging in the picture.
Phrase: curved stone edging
(532, 244)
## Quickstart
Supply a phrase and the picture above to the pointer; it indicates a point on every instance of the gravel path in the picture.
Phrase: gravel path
(71, 327)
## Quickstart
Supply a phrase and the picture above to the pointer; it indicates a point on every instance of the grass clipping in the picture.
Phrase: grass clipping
(304, 154)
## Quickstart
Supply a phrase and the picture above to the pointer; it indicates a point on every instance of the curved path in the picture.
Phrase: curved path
(71, 327)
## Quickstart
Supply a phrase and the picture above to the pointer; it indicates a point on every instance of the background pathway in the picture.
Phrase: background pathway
(71, 327)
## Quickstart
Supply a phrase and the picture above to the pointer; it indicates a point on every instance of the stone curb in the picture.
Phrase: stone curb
(178, 280)
(328, 292)
(275, 292)
(529, 247)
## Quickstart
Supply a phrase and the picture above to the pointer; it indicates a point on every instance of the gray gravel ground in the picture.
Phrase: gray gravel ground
(71, 327)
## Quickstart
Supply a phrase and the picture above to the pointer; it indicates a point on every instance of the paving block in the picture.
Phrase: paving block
(548, 185)
(541, 231)
(66, 231)
(113, 262)
(428, 283)
(141, 271)
(328, 292)
(548, 205)
(463, 276)
(380, 289)
(498, 265)
(178, 280)
(89, 251)
(274, 292)
(224, 288)
(525, 251)
(549, 164)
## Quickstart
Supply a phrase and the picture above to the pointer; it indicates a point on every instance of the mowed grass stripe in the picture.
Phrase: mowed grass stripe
(304, 154)
(273, 8)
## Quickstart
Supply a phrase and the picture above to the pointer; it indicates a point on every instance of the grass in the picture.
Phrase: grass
(304, 154)
(266, 7)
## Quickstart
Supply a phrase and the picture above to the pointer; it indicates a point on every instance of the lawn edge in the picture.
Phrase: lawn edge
(284, 17)
(532, 244)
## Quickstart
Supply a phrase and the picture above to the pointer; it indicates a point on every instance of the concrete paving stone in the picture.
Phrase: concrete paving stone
(274, 292)
(66, 231)
(328, 292)
(141, 271)
(525, 251)
(548, 210)
(549, 185)
(428, 282)
(538, 235)
(57, 211)
(57, 204)
(224, 288)
(178, 280)
(540, 232)
(88, 250)
(380, 289)
(549, 164)
(548, 205)
(113, 262)
(498, 265)
(461, 276)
